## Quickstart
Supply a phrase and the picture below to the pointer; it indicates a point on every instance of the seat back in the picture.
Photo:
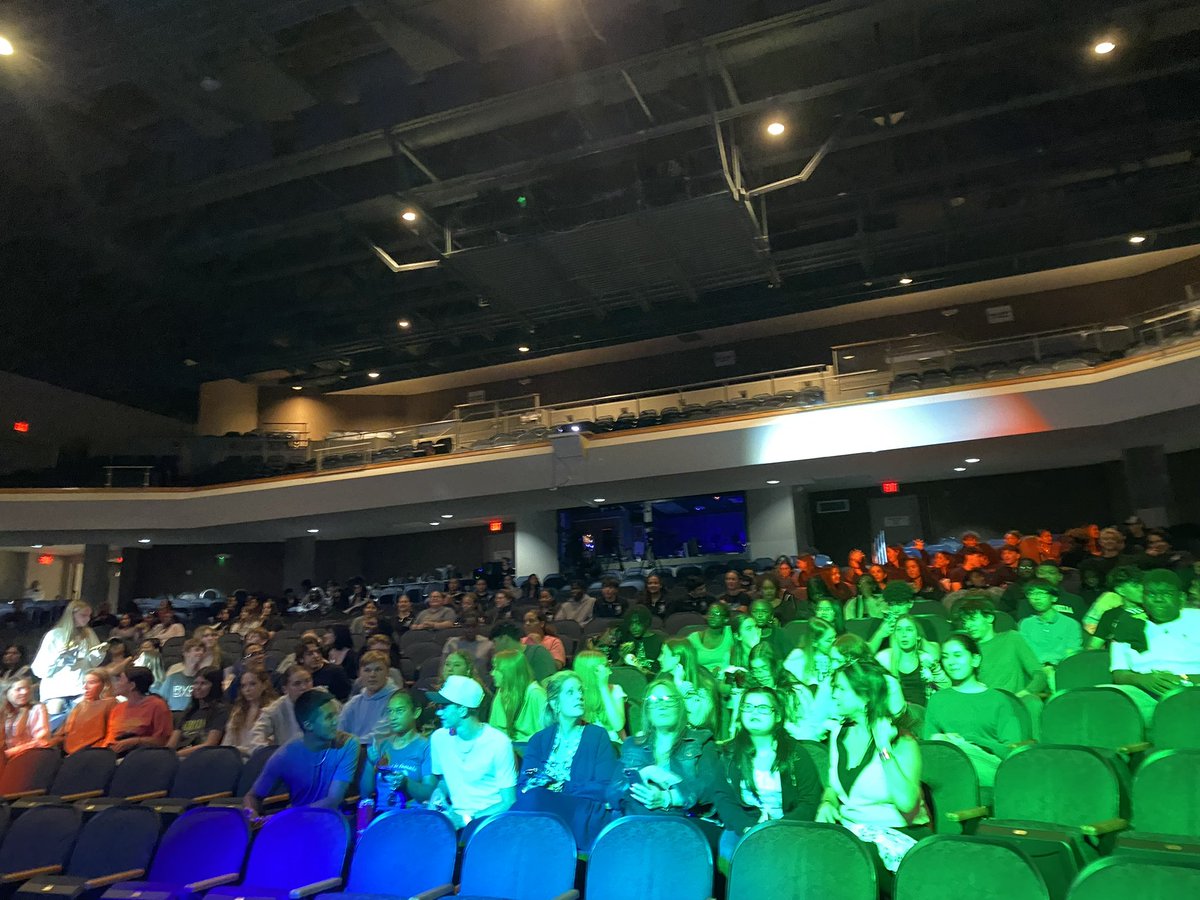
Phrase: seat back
(634, 683)
(1021, 712)
(651, 858)
(116, 839)
(788, 860)
(519, 856)
(1123, 876)
(1166, 794)
(43, 836)
(378, 869)
(1092, 717)
(949, 867)
(678, 620)
(1061, 785)
(952, 781)
(818, 752)
(1086, 669)
(207, 770)
(143, 770)
(252, 768)
(322, 834)
(85, 770)
(1176, 722)
(30, 771)
(223, 833)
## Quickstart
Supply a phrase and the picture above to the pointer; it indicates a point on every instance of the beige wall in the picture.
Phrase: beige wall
(227, 405)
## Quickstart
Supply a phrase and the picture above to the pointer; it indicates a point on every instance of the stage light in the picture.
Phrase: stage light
(775, 129)
(1104, 47)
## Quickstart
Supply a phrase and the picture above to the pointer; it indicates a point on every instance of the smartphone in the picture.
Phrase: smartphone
(633, 776)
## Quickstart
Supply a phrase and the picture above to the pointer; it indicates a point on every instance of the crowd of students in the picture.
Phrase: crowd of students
(776, 664)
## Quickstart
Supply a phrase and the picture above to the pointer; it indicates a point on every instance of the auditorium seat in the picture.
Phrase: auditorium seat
(30, 773)
(678, 620)
(114, 845)
(651, 858)
(953, 787)
(206, 774)
(1176, 722)
(299, 851)
(378, 871)
(42, 837)
(1086, 669)
(789, 860)
(85, 773)
(145, 774)
(251, 769)
(1166, 806)
(517, 856)
(178, 871)
(1129, 878)
(1099, 717)
(950, 867)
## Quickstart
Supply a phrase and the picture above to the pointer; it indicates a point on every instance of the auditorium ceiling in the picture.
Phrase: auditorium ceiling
(321, 190)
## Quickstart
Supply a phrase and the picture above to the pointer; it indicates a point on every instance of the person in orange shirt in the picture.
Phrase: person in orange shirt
(87, 723)
(143, 720)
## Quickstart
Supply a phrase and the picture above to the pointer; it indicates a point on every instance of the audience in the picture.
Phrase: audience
(67, 652)
(520, 700)
(203, 722)
(87, 722)
(538, 633)
(365, 714)
(714, 645)
(603, 701)
(1007, 662)
(1171, 652)
(277, 723)
(913, 661)
(13, 666)
(398, 766)
(143, 719)
(255, 693)
(325, 674)
(1051, 635)
(26, 723)
(176, 685)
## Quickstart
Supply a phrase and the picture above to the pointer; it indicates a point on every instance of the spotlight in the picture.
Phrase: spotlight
(435, 523)
(775, 129)
(296, 387)
(1137, 239)
(403, 323)
(575, 428)
(6, 47)
(37, 546)
(408, 216)
(372, 374)
(1104, 47)
(447, 515)
(906, 280)
(960, 468)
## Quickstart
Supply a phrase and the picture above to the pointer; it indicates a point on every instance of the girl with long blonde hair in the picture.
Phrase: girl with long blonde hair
(603, 701)
(67, 652)
(520, 700)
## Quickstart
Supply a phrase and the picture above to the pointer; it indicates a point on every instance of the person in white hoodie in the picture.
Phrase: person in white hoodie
(277, 723)
(67, 652)
(364, 715)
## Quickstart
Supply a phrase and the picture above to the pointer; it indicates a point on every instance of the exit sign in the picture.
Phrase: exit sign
(495, 527)
(45, 560)
(21, 427)
(891, 487)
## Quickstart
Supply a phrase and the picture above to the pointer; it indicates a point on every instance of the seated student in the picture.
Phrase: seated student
(1066, 603)
(1051, 635)
(203, 722)
(770, 629)
(913, 661)
(13, 666)
(795, 700)
(255, 693)
(1171, 655)
(176, 686)
(609, 605)
(143, 720)
(970, 714)
(632, 643)
(87, 722)
(899, 599)
(399, 767)
(365, 714)
(540, 634)
(569, 764)
(581, 606)
(338, 645)
(603, 701)
(714, 645)
(473, 762)
(694, 599)
(783, 603)
(437, 614)
(277, 723)
(874, 768)
(476, 645)
(520, 701)
(735, 596)
(764, 774)
(318, 766)
(666, 768)
(867, 602)
(1117, 613)
(1014, 583)
(1008, 663)
(325, 674)
(26, 724)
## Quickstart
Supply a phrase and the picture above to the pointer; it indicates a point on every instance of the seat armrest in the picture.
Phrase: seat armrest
(205, 798)
(1108, 826)
(106, 880)
(26, 874)
(966, 815)
(20, 795)
(276, 800)
(568, 895)
(315, 888)
(1015, 744)
(82, 795)
(149, 795)
(197, 887)
(1138, 747)
(442, 890)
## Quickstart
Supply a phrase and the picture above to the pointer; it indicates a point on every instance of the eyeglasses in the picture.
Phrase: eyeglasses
(661, 701)
(758, 708)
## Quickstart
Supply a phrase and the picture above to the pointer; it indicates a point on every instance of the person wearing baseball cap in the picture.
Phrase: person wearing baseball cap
(473, 762)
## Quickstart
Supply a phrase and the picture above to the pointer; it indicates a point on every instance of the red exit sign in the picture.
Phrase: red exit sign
(495, 527)
(890, 487)
(21, 427)
(45, 560)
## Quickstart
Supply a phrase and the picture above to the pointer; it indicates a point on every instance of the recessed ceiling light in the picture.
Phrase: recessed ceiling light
(1137, 239)
(847, 356)
(970, 460)
(435, 523)
(372, 374)
(906, 280)
(6, 47)
(403, 323)
(408, 216)
(775, 129)
(1104, 47)
(598, 499)
(772, 481)
(524, 348)
(37, 546)
(960, 468)
(314, 530)
(575, 428)
(210, 84)
(296, 387)
(143, 540)
(447, 515)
